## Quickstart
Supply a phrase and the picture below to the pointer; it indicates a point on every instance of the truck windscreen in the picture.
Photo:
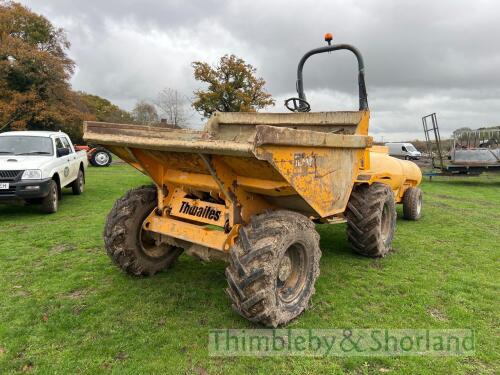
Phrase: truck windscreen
(25, 145)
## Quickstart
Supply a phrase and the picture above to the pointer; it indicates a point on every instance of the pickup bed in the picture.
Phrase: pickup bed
(36, 165)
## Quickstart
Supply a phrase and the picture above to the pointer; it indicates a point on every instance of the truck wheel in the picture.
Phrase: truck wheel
(101, 158)
(412, 204)
(130, 247)
(50, 203)
(371, 219)
(78, 185)
(273, 267)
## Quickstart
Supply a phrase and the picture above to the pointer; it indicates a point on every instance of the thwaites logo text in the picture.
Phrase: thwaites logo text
(206, 212)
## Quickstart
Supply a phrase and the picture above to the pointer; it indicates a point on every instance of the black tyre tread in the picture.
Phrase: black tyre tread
(47, 202)
(250, 271)
(410, 203)
(75, 187)
(363, 216)
(120, 234)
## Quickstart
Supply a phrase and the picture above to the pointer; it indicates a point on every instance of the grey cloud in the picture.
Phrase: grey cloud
(421, 56)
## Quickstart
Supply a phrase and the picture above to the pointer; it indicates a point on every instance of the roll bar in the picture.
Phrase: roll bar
(363, 98)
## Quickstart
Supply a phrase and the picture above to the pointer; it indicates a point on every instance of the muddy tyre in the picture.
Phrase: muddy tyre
(130, 247)
(412, 204)
(50, 203)
(371, 219)
(273, 268)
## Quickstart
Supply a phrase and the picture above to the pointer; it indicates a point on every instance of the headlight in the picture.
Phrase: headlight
(32, 174)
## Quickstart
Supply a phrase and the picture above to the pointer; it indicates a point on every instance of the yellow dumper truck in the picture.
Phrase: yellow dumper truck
(249, 189)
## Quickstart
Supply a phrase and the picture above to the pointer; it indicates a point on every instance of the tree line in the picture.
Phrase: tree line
(35, 90)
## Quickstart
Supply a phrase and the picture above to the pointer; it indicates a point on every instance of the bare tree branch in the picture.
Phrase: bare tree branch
(172, 106)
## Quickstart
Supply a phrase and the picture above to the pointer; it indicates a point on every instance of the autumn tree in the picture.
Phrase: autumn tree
(35, 92)
(145, 113)
(232, 87)
(172, 106)
(100, 109)
(34, 73)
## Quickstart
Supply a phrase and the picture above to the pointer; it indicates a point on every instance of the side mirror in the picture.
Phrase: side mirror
(62, 152)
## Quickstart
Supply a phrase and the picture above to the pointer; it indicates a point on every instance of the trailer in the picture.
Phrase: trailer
(472, 151)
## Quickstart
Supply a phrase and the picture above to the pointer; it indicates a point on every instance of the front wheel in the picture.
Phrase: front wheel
(273, 268)
(133, 249)
(50, 203)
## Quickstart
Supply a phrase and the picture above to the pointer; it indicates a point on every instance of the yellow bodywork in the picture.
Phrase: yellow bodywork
(213, 181)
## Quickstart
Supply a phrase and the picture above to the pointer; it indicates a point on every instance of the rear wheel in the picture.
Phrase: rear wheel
(133, 249)
(50, 203)
(78, 185)
(371, 219)
(412, 204)
(273, 268)
(101, 158)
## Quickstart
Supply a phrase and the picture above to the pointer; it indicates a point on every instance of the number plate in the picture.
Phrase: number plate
(4, 186)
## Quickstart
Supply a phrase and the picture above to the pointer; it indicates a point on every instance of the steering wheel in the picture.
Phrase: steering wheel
(297, 105)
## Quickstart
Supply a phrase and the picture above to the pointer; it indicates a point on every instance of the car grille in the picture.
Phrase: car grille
(9, 176)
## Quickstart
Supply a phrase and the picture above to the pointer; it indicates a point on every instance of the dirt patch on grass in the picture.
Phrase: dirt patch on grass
(17, 226)
(19, 291)
(121, 356)
(444, 196)
(62, 248)
(94, 250)
(28, 367)
(437, 314)
(479, 365)
(440, 240)
(78, 309)
(77, 294)
(479, 202)
(22, 293)
(200, 371)
(438, 204)
(161, 322)
(376, 264)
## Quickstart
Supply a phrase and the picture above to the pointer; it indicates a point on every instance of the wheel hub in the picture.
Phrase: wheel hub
(285, 268)
(292, 274)
(385, 223)
(150, 245)
(101, 158)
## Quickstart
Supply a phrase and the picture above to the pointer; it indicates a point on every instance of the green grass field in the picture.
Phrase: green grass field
(64, 308)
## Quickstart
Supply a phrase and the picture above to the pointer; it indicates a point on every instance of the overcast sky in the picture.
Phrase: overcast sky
(422, 56)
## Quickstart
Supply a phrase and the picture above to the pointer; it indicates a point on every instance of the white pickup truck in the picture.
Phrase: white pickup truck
(36, 165)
